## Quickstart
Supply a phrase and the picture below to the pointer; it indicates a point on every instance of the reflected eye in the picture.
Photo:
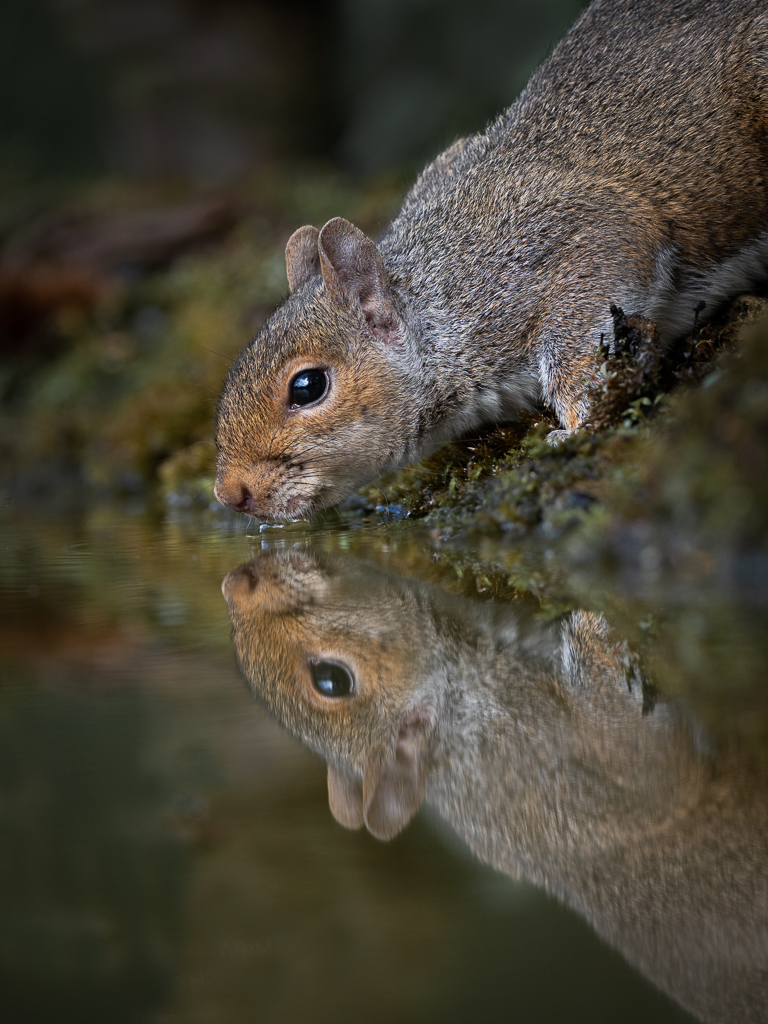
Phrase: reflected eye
(307, 387)
(330, 679)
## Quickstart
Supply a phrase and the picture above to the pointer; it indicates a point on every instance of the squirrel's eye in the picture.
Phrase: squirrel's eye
(308, 386)
(330, 679)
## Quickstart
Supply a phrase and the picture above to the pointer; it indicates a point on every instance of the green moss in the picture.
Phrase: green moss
(699, 479)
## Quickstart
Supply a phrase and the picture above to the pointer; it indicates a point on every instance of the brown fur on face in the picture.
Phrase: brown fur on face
(291, 461)
(526, 737)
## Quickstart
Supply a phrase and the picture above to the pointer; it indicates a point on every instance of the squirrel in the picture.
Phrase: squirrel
(527, 737)
(632, 170)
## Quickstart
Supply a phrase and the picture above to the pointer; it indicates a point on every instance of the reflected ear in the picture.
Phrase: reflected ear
(354, 273)
(302, 260)
(393, 786)
(345, 798)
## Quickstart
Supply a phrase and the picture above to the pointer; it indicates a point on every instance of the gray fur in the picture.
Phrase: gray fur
(632, 170)
(524, 736)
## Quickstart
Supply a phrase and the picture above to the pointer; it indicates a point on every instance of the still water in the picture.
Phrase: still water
(562, 836)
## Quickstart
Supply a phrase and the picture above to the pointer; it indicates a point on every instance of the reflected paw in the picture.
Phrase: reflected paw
(554, 437)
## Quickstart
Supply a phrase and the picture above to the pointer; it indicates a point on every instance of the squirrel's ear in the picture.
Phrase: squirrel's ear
(302, 260)
(345, 798)
(393, 785)
(353, 272)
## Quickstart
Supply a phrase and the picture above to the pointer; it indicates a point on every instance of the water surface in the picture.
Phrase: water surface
(168, 853)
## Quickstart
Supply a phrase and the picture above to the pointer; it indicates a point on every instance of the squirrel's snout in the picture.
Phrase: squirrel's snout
(233, 493)
(262, 491)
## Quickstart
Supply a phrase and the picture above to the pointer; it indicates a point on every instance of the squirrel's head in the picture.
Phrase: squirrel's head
(310, 410)
(338, 657)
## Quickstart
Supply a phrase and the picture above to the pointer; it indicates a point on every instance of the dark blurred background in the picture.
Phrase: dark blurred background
(208, 90)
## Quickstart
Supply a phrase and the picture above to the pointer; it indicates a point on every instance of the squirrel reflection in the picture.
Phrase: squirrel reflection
(525, 736)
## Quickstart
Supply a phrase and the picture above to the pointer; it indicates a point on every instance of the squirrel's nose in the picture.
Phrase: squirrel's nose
(233, 493)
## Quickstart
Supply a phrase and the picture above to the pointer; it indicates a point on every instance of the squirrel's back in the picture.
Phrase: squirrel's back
(667, 117)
